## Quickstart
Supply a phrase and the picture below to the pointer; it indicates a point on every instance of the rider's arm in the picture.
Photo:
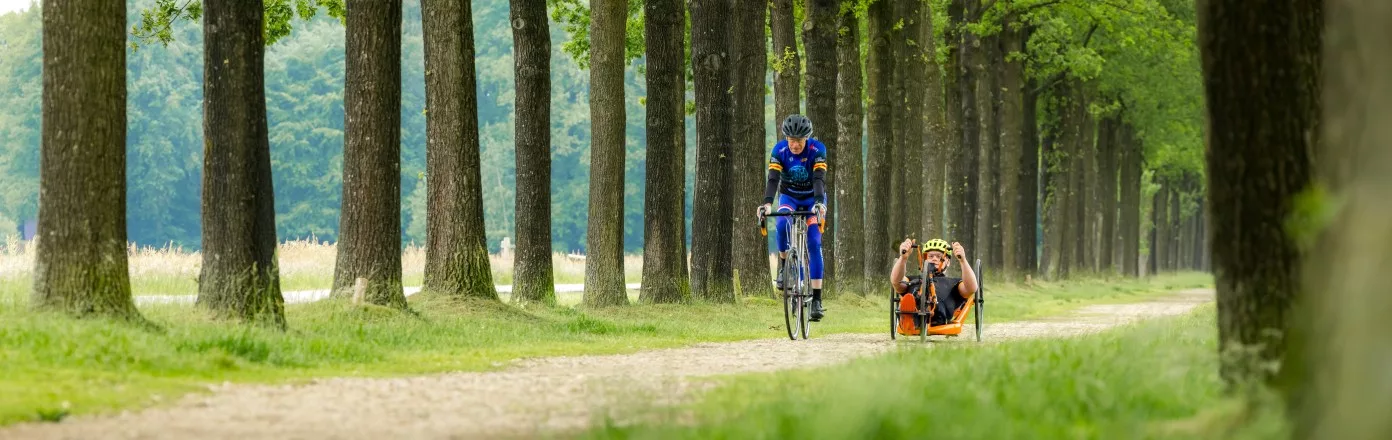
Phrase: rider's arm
(775, 173)
(968, 285)
(896, 275)
(819, 169)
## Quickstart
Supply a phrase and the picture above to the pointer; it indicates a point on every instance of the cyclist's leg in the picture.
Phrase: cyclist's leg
(785, 203)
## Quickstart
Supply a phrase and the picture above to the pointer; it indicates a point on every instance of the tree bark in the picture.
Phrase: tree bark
(880, 124)
(711, 270)
(664, 221)
(1107, 163)
(456, 254)
(750, 153)
(1011, 164)
(1157, 222)
(1176, 232)
(239, 278)
(787, 64)
(532, 271)
(81, 267)
(937, 139)
(369, 246)
(952, 113)
(1340, 357)
(849, 198)
(988, 247)
(963, 181)
(819, 36)
(604, 264)
(909, 115)
(1055, 188)
(1082, 176)
(1130, 211)
(1028, 255)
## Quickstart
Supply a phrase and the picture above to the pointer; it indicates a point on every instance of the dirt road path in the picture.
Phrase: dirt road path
(532, 397)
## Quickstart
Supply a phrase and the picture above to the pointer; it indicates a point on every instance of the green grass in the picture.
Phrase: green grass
(1154, 379)
(50, 364)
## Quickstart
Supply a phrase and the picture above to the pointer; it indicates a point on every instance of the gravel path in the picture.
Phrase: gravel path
(532, 397)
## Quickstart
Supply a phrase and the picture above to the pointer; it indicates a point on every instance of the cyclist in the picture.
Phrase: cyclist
(799, 162)
(951, 292)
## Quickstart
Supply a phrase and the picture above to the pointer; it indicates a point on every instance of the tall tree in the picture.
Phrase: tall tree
(880, 77)
(1255, 83)
(819, 38)
(1341, 354)
(1028, 214)
(787, 64)
(710, 225)
(369, 246)
(456, 254)
(1130, 210)
(989, 97)
(962, 176)
(1012, 145)
(239, 278)
(1107, 151)
(604, 264)
(81, 265)
(664, 226)
(751, 254)
(937, 133)
(531, 41)
(849, 201)
(911, 62)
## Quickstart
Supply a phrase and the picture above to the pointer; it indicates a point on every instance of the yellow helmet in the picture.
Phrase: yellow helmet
(937, 244)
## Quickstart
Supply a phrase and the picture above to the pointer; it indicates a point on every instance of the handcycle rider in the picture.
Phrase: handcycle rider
(799, 163)
(951, 293)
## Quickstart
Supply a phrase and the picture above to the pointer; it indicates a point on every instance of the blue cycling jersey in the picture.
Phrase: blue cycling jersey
(801, 173)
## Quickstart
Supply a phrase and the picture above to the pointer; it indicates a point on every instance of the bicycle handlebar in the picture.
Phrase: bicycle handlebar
(790, 214)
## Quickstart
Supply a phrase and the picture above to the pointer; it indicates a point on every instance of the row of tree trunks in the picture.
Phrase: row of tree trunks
(711, 269)
(849, 200)
(604, 264)
(750, 151)
(880, 124)
(665, 277)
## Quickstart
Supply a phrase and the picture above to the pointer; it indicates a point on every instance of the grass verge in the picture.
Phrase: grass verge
(52, 365)
(1153, 379)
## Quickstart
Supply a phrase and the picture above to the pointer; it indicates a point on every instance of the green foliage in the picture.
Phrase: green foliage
(574, 17)
(157, 22)
(1155, 379)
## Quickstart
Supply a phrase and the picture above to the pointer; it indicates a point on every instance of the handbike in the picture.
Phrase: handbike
(796, 281)
(927, 302)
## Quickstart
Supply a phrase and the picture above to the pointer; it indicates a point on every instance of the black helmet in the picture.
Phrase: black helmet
(797, 126)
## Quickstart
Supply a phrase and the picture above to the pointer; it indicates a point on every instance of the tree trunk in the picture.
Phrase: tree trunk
(664, 220)
(711, 270)
(1161, 218)
(81, 265)
(937, 139)
(1157, 222)
(963, 180)
(908, 114)
(849, 199)
(787, 64)
(239, 278)
(1029, 182)
(456, 254)
(531, 39)
(1107, 163)
(1173, 252)
(988, 247)
(1341, 356)
(750, 153)
(1055, 164)
(369, 246)
(1082, 176)
(1011, 163)
(952, 113)
(604, 264)
(819, 36)
(1130, 211)
(880, 124)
